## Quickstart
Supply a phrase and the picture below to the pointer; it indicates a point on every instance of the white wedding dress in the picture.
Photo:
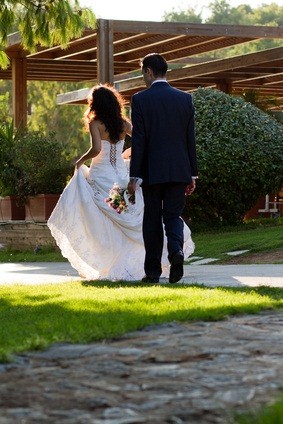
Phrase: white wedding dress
(97, 241)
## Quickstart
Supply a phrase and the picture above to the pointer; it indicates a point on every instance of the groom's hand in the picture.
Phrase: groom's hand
(190, 188)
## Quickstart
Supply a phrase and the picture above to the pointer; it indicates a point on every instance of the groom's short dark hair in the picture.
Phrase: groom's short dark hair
(156, 63)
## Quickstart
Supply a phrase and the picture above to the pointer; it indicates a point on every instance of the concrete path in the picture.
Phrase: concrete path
(210, 275)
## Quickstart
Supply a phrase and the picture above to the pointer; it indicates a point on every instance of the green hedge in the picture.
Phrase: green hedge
(240, 157)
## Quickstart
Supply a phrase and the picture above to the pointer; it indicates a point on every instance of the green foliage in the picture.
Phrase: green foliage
(4, 60)
(188, 15)
(221, 12)
(43, 165)
(268, 414)
(31, 163)
(240, 156)
(65, 121)
(5, 100)
(9, 173)
(45, 22)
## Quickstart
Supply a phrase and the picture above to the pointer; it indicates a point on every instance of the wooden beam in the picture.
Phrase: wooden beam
(214, 67)
(73, 96)
(19, 83)
(105, 61)
(233, 63)
(211, 30)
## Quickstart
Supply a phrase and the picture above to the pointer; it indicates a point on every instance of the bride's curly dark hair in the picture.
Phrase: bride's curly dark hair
(106, 104)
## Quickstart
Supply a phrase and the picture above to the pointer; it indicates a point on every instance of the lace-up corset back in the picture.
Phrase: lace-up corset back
(109, 163)
(110, 152)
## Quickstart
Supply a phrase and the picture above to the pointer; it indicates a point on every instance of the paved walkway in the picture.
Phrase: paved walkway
(211, 275)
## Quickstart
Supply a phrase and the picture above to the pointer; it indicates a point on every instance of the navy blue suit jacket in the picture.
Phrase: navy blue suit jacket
(163, 138)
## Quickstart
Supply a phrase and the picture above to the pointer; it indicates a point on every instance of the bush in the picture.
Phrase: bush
(31, 163)
(9, 173)
(240, 157)
(44, 166)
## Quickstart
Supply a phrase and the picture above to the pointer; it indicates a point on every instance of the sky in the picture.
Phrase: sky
(153, 10)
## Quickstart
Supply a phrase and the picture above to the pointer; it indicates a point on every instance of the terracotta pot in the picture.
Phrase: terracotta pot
(11, 210)
(39, 208)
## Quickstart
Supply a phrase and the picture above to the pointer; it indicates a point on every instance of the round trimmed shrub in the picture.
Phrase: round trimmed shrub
(240, 158)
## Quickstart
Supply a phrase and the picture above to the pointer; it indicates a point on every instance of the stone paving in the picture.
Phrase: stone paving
(209, 275)
(195, 373)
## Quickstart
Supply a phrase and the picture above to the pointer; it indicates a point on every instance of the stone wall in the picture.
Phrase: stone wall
(21, 235)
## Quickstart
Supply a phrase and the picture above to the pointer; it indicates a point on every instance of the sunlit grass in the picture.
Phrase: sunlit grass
(260, 239)
(33, 317)
(43, 254)
(271, 414)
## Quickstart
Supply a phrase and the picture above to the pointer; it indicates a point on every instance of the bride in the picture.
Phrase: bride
(96, 224)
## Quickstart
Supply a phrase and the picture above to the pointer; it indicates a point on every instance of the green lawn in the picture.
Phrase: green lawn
(271, 414)
(253, 237)
(33, 317)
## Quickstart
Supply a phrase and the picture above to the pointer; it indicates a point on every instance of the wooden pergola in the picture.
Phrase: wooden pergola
(111, 53)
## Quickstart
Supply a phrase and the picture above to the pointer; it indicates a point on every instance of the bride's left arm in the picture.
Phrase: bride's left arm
(95, 147)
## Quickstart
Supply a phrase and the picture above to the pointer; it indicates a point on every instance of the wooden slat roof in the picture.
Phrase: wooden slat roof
(179, 43)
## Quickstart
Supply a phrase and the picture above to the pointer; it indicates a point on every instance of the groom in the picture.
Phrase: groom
(164, 156)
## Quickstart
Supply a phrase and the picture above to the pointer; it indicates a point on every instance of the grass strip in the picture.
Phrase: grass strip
(33, 317)
(270, 414)
(215, 245)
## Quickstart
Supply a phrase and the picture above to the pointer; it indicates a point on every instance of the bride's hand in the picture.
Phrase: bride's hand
(78, 164)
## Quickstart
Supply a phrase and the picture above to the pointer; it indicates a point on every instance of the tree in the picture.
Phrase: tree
(5, 100)
(188, 15)
(64, 121)
(45, 22)
(221, 12)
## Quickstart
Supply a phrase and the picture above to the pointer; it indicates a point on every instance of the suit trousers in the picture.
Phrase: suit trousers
(163, 206)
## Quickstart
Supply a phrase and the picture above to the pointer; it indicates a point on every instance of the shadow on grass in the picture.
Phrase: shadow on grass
(34, 321)
(275, 293)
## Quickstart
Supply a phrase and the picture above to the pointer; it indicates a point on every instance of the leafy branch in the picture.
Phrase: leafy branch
(44, 22)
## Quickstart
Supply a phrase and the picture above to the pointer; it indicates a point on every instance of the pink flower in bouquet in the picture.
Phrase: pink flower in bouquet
(117, 198)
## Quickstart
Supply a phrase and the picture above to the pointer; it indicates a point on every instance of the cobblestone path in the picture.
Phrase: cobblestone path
(173, 373)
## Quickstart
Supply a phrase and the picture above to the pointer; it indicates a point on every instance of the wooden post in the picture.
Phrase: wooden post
(105, 50)
(224, 85)
(19, 84)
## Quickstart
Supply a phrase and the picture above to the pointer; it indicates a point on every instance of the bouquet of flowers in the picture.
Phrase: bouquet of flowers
(119, 198)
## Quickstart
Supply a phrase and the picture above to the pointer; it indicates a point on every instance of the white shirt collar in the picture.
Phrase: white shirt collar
(158, 80)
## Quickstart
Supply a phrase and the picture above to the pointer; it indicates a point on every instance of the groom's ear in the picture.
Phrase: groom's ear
(149, 71)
